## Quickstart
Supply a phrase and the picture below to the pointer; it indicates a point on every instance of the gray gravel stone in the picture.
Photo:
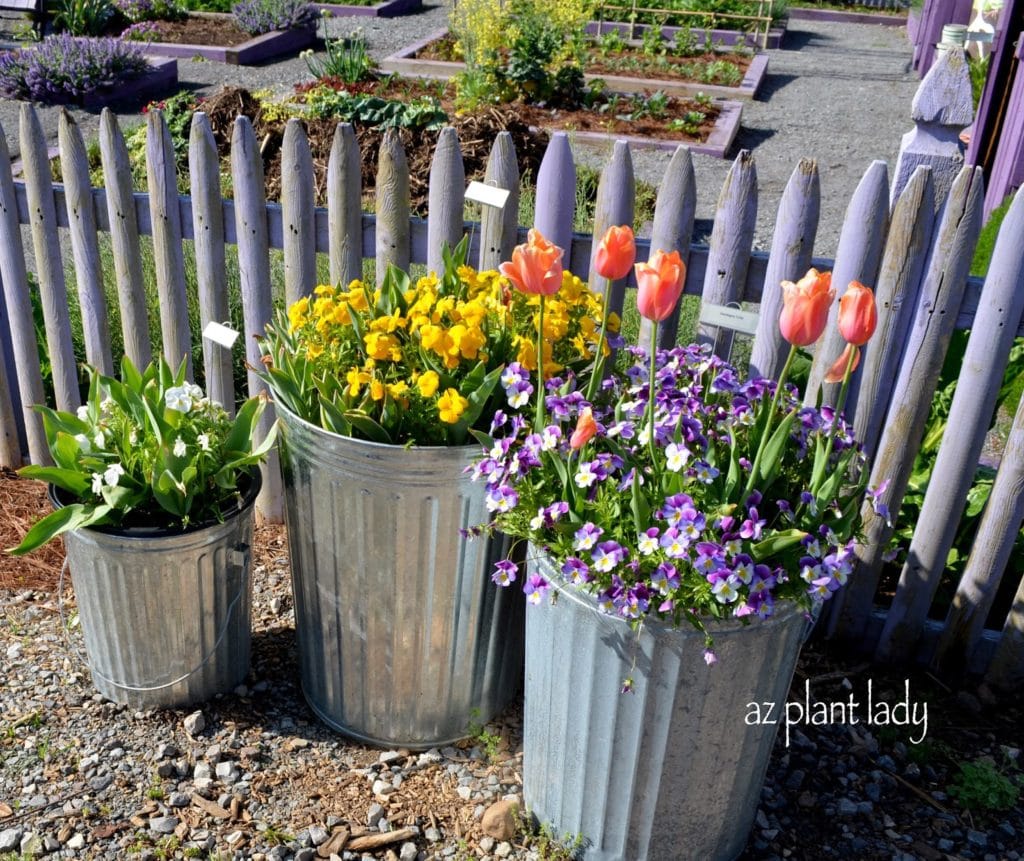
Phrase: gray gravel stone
(163, 824)
(10, 839)
(195, 723)
(374, 815)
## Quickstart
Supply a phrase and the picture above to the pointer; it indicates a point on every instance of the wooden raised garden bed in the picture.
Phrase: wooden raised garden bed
(410, 63)
(812, 13)
(722, 37)
(385, 9)
(162, 77)
(248, 51)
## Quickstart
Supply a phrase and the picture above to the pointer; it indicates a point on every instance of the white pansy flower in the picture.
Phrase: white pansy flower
(179, 447)
(99, 440)
(112, 474)
(193, 391)
(177, 398)
(84, 445)
(204, 441)
(97, 483)
(83, 412)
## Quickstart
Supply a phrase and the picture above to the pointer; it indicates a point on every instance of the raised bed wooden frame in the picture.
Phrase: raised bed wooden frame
(255, 50)
(385, 9)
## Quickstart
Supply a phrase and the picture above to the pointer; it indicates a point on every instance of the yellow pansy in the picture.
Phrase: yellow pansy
(381, 346)
(377, 390)
(450, 406)
(356, 297)
(297, 314)
(356, 378)
(428, 383)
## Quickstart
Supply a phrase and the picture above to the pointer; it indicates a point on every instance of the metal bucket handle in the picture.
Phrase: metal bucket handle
(239, 561)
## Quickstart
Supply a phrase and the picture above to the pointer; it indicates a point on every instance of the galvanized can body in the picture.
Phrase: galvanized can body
(166, 616)
(671, 771)
(403, 639)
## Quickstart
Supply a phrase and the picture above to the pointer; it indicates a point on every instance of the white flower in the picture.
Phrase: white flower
(112, 474)
(195, 392)
(647, 544)
(83, 412)
(676, 456)
(97, 483)
(177, 398)
(204, 441)
(549, 438)
(99, 440)
(179, 447)
(133, 436)
(83, 443)
(106, 405)
(585, 476)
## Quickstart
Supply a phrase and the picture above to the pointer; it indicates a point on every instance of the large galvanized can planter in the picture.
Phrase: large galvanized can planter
(671, 771)
(166, 613)
(403, 639)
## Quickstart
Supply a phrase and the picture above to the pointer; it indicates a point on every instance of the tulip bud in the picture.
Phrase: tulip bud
(586, 427)
(805, 307)
(536, 266)
(615, 253)
(858, 314)
(659, 283)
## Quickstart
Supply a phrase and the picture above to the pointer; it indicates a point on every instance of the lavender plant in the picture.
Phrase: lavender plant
(64, 68)
(148, 10)
(262, 16)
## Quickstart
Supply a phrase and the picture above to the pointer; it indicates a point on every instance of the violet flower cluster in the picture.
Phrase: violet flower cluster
(665, 529)
(63, 68)
(262, 16)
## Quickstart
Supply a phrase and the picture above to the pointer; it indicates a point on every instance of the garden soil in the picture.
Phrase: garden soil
(253, 774)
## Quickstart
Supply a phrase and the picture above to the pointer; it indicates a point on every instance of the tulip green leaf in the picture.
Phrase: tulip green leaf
(777, 543)
(76, 516)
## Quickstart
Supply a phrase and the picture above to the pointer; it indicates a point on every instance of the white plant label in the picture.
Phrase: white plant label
(487, 195)
(220, 334)
(736, 319)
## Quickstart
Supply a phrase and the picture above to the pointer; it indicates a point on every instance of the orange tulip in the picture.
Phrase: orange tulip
(838, 370)
(536, 266)
(805, 307)
(586, 427)
(659, 282)
(615, 253)
(858, 314)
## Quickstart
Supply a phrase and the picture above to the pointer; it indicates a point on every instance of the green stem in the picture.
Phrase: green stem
(752, 478)
(650, 396)
(599, 355)
(538, 422)
(840, 403)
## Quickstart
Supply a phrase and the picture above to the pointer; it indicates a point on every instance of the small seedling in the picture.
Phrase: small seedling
(982, 788)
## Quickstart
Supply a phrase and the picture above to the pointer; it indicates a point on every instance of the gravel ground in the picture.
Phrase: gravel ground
(255, 775)
(839, 93)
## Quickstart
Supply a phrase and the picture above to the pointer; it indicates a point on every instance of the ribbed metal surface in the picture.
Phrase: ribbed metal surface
(166, 619)
(669, 772)
(403, 639)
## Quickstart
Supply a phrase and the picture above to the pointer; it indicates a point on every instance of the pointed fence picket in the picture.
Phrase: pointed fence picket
(918, 264)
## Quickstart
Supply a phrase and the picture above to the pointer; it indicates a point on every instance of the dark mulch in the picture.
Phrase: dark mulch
(201, 30)
(22, 502)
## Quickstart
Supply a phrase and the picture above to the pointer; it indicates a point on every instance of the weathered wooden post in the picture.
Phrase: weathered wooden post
(556, 194)
(446, 199)
(393, 240)
(344, 210)
(499, 227)
(941, 109)
(297, 211)
(615, 195)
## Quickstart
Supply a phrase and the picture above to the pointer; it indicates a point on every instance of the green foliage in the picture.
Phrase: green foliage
(980, 787)
(147, 449)
(978, 69)
(987, 238)
(423, 113)
(346, 59)
(83, 17)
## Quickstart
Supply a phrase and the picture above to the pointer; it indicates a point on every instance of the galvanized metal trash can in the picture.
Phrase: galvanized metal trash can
(671, 771)
(165, 615)
(404, 641)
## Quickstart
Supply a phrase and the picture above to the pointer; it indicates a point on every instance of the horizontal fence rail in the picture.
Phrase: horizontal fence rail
(916, 260)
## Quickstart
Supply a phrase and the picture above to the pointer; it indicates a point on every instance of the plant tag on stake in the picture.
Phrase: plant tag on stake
(487, 195)
(220, 334)
(728, 317)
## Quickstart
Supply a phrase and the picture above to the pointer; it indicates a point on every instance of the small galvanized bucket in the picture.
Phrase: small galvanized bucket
(165, 614)
(671, 771)
(404, 641)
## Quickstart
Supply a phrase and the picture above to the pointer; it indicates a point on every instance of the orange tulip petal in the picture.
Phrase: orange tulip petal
(838, 370)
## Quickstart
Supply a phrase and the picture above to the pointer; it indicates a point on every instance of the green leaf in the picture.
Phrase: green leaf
(75, 516)
(639, 505)
(367, 426)
(70, 480)
(773, 451)
(169, 494)
(239, 438)
(732, 479)
(776, 543)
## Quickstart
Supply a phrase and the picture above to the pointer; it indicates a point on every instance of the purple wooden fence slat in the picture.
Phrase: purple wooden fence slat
(1007, 172)
(254, 280)
(899, 280)
(984, 363)
(19, 313)
(986, 566)
(1006, 671)
(939, 299)
(297, 204)
(731, 238)
(674, 212)
(499, 227)
(795, 227)
(123, 214)
(616, 190)
(85, 248)
(857, 259)
(556, 193)
(446, 198)
(10, 447)
(344, 206)
(392, 194)
(168, 257)
(210, 251)
(49, 265)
